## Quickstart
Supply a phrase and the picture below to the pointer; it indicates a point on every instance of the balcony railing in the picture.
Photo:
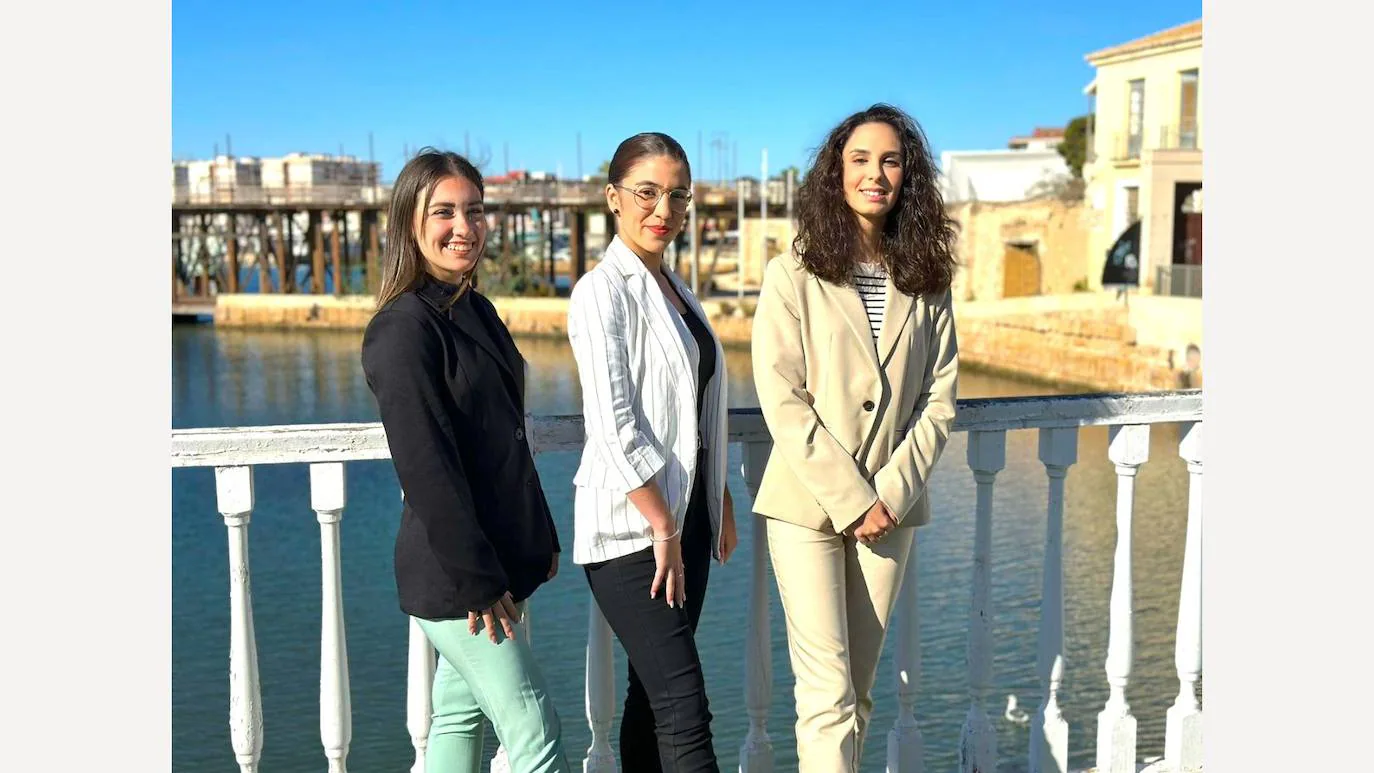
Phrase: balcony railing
(1180, 136)
(233, 453)
(1179, 279)
(1130, 147)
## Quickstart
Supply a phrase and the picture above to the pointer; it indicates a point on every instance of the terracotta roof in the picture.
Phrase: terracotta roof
(1180, 34)
(1051, 132)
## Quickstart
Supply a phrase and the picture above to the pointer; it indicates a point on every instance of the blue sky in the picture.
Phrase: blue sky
(526, 78)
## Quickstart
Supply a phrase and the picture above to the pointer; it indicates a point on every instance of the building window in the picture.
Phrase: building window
(1136, 119)
(1132, 204)
(1187, 109)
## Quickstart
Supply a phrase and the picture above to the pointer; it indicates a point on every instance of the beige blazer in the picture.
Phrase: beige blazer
(851, 422)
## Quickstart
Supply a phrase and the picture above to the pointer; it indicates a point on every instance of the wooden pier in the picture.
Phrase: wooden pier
(335, 233)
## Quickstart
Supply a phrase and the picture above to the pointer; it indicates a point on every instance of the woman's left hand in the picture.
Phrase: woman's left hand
(553, 567)
(727, 523)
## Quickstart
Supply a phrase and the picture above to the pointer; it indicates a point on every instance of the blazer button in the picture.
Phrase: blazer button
(520, 433)
(868, 405)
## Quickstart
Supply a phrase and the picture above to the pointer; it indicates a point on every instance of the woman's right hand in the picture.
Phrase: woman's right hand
(668, 573)
(875, 524)
(504, 610)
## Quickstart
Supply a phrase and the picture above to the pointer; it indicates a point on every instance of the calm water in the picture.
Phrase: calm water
(237, 378)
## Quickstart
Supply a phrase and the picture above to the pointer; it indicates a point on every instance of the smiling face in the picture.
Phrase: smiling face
(872, 171)
(452, 229)
(650, 202)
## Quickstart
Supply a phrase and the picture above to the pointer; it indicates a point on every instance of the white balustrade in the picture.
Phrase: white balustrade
(1128, 448)
(1049, 732)
(1183, 723)
(756, 753)
(234, 495)
(905, 746)
(499, 762)
(420, 667)
(987, 455)
(600, 693)
(327, 498)
(233, 452)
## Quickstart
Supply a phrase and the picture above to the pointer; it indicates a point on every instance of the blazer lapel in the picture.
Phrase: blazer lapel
(509, 355)
(846, 301)
(896, 312)
(438, 296)
(664, 323)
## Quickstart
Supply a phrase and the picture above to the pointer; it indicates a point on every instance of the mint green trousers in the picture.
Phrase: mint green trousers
(502, 682)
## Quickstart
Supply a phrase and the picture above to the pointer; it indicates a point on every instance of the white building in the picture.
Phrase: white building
(1003, 175)
(1040, 139)
(997, 175)
(293, 178)
(220, 176)
(343, 177)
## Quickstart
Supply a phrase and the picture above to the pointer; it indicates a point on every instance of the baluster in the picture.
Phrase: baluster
(499, 763)
(1129, 447)
(420, 669)
(987, 455)
(756, 753)
(905, 747)
(327, 497)
(1049, 732)
(600, 693)
(234, 495)
(1183, 726)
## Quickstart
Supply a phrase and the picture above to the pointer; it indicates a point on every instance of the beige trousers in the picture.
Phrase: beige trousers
(837, 594)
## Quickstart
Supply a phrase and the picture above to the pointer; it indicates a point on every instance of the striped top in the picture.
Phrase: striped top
(870, 279)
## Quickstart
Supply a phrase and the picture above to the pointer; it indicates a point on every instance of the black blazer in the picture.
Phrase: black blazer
(450, 386)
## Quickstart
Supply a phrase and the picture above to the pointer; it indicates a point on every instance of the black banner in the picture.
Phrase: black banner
(1123, 259)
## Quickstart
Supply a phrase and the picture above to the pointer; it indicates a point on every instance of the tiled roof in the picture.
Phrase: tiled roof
(1182, 33)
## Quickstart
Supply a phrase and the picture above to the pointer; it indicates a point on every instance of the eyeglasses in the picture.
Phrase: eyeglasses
(648, 196)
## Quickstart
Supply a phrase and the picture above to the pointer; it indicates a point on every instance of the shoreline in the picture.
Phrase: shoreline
(1083, 340)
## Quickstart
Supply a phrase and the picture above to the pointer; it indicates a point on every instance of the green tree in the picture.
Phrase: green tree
(603, 172)
(1074, 148)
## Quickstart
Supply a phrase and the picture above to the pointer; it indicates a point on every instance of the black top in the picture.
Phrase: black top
(706, 348)
(450, 387)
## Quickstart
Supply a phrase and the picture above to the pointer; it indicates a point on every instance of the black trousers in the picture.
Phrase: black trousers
(666, 724)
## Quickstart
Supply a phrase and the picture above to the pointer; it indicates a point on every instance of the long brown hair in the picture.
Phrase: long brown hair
(918, 238)
(403, 267)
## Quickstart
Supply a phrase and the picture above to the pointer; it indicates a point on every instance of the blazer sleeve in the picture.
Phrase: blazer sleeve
(597, 328)
(816, 458)
(403, 361)
(902, 481)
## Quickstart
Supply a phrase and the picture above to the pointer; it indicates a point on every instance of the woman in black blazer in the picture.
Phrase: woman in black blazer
(476, 537)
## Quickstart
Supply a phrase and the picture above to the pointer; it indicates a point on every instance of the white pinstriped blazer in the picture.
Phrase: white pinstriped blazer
(637, 362)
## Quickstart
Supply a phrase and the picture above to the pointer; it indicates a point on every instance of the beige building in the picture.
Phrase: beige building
(1019, 248)
(1145, 157)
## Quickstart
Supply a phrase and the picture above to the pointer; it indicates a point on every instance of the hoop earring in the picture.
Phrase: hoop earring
(615, 212)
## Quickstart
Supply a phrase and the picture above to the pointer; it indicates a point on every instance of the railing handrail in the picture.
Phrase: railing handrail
(314, 443)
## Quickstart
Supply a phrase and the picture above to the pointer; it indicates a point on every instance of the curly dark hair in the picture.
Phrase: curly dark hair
(918, 235)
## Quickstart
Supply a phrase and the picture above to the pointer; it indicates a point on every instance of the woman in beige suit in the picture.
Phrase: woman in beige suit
(856, 366)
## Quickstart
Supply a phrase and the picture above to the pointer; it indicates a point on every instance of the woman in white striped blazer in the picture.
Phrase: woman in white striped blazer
(651, 506)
